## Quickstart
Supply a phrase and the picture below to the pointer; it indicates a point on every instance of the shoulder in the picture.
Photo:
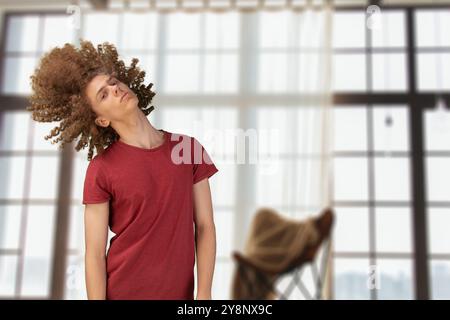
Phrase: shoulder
(98, 164)
(102, 159)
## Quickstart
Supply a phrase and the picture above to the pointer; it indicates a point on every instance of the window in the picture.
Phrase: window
(373, 202)
(372, 179)
(432, 49)
(432, 54)
(28, 206)
(437, 128)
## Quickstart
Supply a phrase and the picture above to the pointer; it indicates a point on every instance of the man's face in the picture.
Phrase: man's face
(110, 99)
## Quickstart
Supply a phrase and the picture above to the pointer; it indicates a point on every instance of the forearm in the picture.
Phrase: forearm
(95, 268)
(206, 256)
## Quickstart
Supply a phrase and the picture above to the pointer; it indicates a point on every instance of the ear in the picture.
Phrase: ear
(102, 122)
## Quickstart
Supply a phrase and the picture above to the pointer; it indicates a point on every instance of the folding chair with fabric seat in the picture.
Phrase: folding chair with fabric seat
(280, 247)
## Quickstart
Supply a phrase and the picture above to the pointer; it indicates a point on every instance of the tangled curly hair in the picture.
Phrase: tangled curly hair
(58, 92)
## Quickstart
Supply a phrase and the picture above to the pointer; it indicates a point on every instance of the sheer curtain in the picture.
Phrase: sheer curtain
(299, 116)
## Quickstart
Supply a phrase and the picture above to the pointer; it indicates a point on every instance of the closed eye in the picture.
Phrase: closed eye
(105, 94)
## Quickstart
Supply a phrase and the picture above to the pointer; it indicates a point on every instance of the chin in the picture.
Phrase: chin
(131, 104)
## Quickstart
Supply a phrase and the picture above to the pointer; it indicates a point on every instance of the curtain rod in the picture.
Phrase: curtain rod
(247, 6)
(202, 6)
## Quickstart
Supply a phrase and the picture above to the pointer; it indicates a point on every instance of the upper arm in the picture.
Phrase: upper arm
(97, 188)
(203, 166)
(203, 211)
(96, 228)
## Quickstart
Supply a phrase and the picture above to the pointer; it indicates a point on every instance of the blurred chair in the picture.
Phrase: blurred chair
(281, 246)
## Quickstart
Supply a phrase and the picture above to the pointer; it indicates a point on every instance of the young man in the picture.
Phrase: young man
(149, 186)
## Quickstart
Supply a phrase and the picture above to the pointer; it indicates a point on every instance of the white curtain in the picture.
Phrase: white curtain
(298, 183)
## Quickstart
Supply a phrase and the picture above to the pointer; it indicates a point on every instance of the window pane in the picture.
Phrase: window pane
(57, 31)
(277, 29)
(40, 130)
(350, 179)
(8, 269)
(182, 73)
(305, 179)
(351, 232)
(392, 179)
(100, 27)
(44, 177)
(307, 122)
(389, 72)
(310, 72)
(221, 285)
(350, 279)
(273, 189)
(349, 72)
(432, 71)
(10, 217)
(80, 166)
(148, 64)
(227, 181)
(221, 73)
(76, 228)
(440, 278)
(14, 130)
(392, 30)
(350, 128)
(437, 178)
(438, 235)
(12, 171)
(180, 119)
(293, 182)
(22, 33)
(395, 279)
(75, 280)
(38, 251)
(17, 73)
(437, 130)
(140, 31)
(273, 69)
(220, 126)
(431, 26)
(275, 132)
(224, 220)
(181, 24)
(393, 230)
(222, 30)
(349, 29)
(312, 29)
(393, 136)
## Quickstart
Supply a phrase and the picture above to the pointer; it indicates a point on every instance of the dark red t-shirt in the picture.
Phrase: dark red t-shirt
(150, 194)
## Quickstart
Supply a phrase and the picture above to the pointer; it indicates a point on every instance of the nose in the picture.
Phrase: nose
(117, 90)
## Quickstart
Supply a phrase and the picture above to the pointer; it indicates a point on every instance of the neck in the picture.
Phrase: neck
(138, 131)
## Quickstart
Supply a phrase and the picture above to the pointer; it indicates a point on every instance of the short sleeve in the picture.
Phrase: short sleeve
(203, 166)
(95, 184)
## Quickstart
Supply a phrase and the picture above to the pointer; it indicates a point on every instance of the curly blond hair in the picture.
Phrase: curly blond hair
(59, 92)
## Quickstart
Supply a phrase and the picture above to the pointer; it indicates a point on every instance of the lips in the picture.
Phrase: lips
(124, 95)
